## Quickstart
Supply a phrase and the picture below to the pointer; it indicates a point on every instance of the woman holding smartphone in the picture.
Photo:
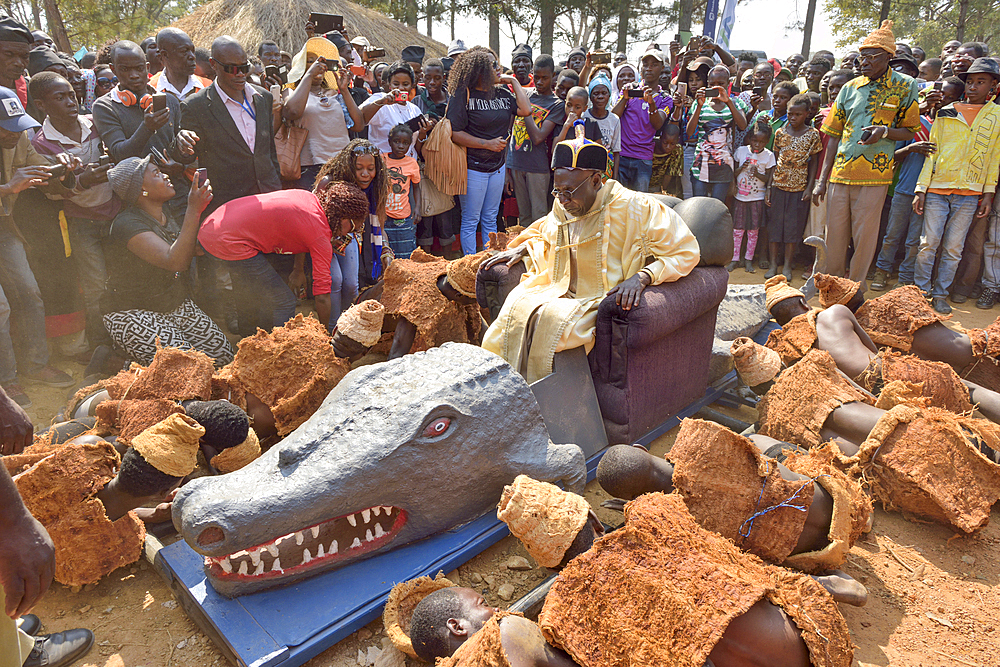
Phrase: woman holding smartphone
(315, 101)
(482, 112)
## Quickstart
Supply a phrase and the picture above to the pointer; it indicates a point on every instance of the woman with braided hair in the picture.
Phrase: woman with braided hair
(361, 164)
(243, 232)
(481, 112)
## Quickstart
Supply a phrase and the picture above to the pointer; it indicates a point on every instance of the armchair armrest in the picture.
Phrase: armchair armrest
(495, 283)
(666, 307)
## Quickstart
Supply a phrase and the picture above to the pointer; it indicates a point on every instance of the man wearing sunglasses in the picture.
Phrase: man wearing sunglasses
(600, 239)
(234, 122)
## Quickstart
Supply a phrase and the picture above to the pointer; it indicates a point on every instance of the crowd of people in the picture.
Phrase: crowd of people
(139, 211)
(156, 194)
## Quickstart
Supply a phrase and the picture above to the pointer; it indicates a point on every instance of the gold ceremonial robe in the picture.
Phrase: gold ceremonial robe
(622, 233)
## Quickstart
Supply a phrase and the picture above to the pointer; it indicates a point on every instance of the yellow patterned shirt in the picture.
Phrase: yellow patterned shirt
(890, 100)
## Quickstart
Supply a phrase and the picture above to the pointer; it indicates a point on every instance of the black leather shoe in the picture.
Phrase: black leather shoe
(60, 648)
(30, 624)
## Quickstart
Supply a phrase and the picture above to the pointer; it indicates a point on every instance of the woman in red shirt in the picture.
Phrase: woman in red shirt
(244, 231)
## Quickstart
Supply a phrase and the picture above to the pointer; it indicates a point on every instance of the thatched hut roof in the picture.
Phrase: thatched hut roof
(252, 21)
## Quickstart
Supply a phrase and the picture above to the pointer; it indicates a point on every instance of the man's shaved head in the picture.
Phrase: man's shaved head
(169, 36)
(225, 45)
(125, 46)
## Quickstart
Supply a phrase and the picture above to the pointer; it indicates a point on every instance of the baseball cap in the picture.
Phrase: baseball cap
(12, 115)
(654, 53)
(361, 41)
(700, 61)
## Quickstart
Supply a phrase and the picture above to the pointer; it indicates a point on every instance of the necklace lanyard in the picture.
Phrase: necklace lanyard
(247, 106)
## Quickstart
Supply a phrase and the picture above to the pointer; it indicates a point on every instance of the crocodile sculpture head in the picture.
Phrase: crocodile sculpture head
(397, 451)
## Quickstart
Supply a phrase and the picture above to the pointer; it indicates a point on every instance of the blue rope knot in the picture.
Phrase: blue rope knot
(747, 526)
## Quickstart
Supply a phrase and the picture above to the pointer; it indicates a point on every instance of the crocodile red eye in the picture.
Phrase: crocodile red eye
(437, 427)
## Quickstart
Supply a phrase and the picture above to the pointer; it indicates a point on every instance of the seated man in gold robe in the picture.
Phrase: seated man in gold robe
(600, 239)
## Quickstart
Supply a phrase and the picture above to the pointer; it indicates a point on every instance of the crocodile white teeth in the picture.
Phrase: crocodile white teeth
(319, 552)
(226, 566)
(315, 531)
(243, 567)
(376, 510)
(306, 556)
(366, 515)
(272, 549)
(378, 531)
(351, 520)
(260, 568)
(255, 557)
(333, 547)
(276, 567)
(356, 543)
(368, 536)
(298, 538)
(387, 510)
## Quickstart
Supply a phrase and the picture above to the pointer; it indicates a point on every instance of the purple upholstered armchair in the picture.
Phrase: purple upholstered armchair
(647, 363)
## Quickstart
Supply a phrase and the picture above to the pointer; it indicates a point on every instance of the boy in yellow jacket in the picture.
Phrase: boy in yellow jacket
(958, 180)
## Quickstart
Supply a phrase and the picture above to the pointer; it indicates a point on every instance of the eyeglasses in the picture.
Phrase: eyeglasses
(234, 69)
(567, 194)
(365, 149)
(104, 81)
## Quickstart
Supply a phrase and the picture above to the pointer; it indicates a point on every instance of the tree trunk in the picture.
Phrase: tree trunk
(453, 20)
(411, 13)
(57, 29)
(36, 14)
(623, 16)
(548, 26)
(807, 31)
(599, 27)
(963, 14)
(494, 28)
(883, 13)
(684, 20)
(430, 18)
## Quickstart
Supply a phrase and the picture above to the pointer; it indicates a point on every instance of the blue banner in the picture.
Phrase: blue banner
(711, 15)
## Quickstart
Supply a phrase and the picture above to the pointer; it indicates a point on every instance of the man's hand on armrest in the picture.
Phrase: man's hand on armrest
(509, 257)
(627, 293)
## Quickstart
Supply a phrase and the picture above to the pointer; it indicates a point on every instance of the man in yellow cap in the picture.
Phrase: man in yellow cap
(870, 114)
(600, 239)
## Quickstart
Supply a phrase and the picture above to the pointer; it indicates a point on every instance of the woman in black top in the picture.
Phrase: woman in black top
(145, 298)
(481, 112)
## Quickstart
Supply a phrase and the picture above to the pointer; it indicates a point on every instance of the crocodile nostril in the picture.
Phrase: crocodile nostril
(211, 536)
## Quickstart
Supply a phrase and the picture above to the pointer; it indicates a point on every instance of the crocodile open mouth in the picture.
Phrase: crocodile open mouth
(313, 547)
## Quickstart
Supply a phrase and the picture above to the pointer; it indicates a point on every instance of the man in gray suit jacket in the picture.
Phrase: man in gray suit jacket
(234, 122)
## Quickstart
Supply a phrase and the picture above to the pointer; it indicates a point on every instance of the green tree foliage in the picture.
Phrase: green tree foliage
(928, 24)
(92, 22)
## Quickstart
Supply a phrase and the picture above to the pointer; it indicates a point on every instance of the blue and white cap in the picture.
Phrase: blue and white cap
(12, 115)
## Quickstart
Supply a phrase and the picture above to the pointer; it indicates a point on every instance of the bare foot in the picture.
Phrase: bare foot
(843, 587)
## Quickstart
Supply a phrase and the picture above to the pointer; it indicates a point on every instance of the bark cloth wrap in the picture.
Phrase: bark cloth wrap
(234, 458)
(795, 339)
(411, 292)
(543, 517)
(482, 649)
(403, 599)
(834, 289)
(732, 489)
(362, 322)
(851, 508)
(171, 446)
(897, 378)
(291, 369)
(894, 317)
(985, 369)
(926, 462)
(755, 364)
(662, 590)
(60, 492)
(795, 408)
(143, 396)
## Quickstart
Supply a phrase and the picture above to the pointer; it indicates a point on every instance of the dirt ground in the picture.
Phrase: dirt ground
(933, 598)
